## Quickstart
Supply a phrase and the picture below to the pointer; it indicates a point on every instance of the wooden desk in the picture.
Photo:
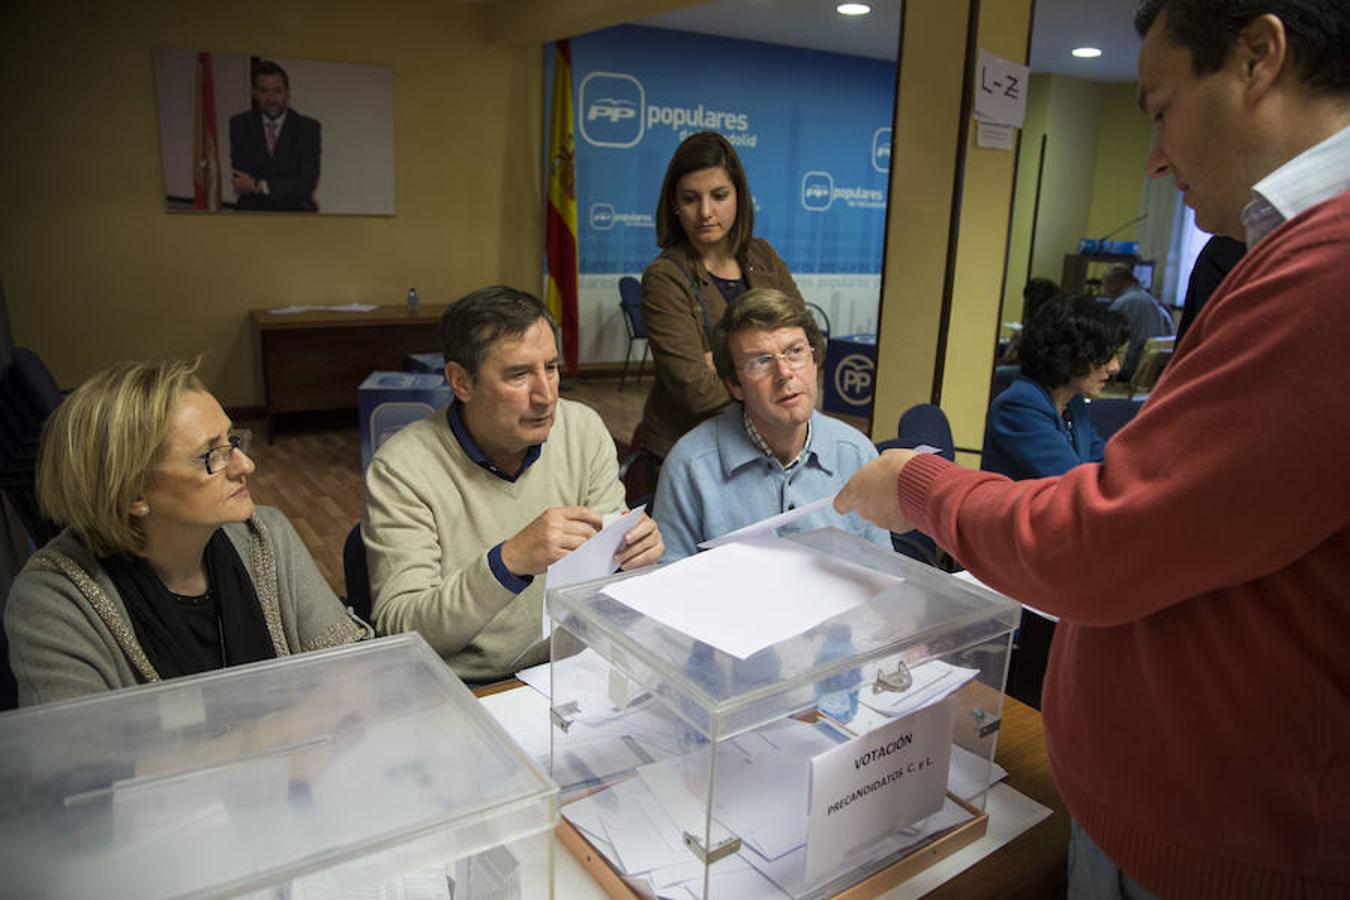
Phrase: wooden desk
(317, 360)
(1032, 865)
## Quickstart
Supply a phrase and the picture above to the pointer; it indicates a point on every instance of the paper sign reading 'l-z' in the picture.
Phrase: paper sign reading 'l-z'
(877, 784)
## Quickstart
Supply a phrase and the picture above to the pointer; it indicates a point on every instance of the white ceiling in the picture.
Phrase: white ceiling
(797, 23)
(1060, 25)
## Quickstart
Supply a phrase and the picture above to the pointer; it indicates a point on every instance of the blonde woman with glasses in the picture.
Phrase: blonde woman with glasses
(166, 566)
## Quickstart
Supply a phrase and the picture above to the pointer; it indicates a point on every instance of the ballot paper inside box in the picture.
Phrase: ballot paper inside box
(363, 771)
(711, 767)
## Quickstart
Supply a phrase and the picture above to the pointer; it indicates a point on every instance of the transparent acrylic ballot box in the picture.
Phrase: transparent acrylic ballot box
(365, 771)
(848, 756)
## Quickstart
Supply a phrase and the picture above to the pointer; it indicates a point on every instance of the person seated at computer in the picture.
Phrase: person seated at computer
(166, 566)
(1145, 317)
(467, 507)
(771, 451)
(1039, 425)
(705, 223)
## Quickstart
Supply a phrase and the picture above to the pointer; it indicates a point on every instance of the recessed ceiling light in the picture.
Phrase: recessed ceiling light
(853, 9)
(1086, 52)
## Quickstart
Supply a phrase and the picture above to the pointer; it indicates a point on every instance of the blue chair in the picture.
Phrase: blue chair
(356, 573)
(926, 425)
(923, 425)
(630, 301)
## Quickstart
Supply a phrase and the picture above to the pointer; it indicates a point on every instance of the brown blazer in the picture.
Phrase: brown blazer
(680, 305)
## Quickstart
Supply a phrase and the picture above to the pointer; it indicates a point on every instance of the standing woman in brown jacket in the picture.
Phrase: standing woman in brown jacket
(705, 222)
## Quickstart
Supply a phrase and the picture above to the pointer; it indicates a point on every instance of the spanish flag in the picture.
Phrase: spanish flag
(205, 152)
(561, 236)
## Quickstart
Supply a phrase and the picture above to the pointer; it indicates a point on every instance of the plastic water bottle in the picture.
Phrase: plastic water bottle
(837, 696)
(412, 301)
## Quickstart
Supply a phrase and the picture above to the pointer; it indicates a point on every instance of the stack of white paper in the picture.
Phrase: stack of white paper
(762, 575)
(639, 824)
(763, 777)
(317, 307)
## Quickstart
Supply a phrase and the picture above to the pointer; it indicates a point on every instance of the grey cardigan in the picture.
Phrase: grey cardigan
(70, 635)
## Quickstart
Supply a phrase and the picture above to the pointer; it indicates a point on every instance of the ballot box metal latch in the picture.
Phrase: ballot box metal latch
(986, 723)
(896, 681)
(721, 850)
(562, 716)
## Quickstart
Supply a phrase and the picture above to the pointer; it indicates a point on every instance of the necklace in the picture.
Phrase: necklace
(195, 606)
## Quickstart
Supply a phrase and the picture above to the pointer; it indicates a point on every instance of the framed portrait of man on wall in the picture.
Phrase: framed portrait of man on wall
(253, 133)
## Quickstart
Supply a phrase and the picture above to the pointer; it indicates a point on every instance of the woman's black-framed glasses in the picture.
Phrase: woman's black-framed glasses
(217, 459)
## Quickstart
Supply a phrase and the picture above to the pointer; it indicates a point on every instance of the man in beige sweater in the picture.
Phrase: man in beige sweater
(466, 507)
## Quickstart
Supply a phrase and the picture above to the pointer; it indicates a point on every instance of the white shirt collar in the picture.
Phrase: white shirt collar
(1314, 176)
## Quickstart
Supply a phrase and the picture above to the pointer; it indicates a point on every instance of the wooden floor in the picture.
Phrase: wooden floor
(313, 475)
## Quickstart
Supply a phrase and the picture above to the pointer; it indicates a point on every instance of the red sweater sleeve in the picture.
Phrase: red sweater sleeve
(1235, 467)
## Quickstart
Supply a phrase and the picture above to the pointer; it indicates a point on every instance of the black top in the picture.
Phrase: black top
(731, 288)
(201, 614)
(1216, 259)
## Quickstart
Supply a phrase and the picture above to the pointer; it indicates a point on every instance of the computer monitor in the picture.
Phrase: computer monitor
(1143, 273)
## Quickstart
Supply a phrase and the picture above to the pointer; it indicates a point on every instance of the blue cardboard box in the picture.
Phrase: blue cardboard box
(389, 400)
(850, 374)
(424, 362)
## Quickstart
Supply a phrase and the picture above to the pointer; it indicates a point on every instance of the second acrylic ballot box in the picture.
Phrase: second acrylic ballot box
(855, 751)
(364, 771)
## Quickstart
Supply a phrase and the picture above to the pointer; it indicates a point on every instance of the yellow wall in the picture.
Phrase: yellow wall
(96, 271)
(982, 241)
(923, 166)
(1072, 121)
(910, 350)
(1096, 182)
(1118, 176)
(1024, 198)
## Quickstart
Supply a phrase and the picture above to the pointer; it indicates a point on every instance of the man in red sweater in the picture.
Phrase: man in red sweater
(1197, 713)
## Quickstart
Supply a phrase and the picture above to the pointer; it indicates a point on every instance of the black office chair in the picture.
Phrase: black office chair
(630, 301)
(822, 320)
(9, 686)
(28, 395)
(1030, 656)
(356, 573)
(635, 472)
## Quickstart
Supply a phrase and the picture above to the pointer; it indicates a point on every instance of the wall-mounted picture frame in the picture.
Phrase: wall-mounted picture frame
(252, 133)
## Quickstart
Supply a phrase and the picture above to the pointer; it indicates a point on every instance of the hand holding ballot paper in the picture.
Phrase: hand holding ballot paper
(558, 533)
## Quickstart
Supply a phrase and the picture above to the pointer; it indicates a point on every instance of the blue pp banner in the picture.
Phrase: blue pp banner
(812, 128)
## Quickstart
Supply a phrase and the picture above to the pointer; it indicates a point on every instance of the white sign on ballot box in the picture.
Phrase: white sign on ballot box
(877, 784)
